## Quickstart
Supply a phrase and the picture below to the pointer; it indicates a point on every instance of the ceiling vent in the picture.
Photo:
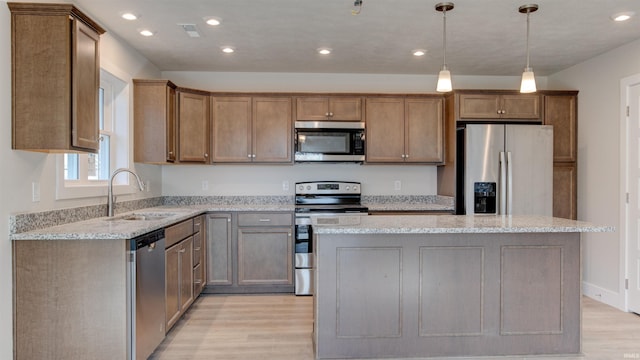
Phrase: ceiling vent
(191, 30)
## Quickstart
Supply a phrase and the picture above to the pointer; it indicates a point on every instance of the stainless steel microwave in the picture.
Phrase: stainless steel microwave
(329, 141)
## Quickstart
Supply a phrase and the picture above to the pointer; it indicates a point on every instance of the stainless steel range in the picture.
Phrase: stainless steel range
(326, 200)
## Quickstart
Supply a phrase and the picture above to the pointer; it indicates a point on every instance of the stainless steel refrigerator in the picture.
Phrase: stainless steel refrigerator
(504, 169)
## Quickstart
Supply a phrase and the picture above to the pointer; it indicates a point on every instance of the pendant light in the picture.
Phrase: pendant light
(528, 83)
(444, 77)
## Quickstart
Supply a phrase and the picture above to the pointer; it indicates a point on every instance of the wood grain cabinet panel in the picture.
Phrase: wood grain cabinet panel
(231, 129)
(272, 130)
(154, 121)
(565, 179)
(482, 106)
(55, 78)
(265, 256)
(560, 111)
(405, 130)
(257, 129)
(329, 108)
(219, 250)
(193, 126)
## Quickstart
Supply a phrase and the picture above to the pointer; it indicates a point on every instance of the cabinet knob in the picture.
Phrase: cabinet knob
(249, 156)
(170, 152)
(330, 114)
(206, 155)
(326, 114)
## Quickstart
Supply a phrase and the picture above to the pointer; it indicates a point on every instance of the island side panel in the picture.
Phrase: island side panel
(70, 299)
(452, 294)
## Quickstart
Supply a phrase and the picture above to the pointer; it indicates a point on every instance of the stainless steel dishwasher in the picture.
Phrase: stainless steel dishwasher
(146, 294)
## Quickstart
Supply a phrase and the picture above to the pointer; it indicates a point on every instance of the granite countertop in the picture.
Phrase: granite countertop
(440, 224)
(118, 227)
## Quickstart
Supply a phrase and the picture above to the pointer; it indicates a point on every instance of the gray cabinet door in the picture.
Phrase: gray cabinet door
(265, 256)
(219, 250)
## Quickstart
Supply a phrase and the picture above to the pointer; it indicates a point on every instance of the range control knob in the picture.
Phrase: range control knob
(308, 187)
(300, 187)
(348, 188)
(355, 188)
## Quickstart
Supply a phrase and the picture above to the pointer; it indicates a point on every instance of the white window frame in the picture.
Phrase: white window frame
(117, 124)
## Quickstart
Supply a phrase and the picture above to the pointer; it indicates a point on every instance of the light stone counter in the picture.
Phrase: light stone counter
(449, 224)
(118, 227)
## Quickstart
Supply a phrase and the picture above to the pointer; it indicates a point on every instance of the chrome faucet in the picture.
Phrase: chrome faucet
(111, 199)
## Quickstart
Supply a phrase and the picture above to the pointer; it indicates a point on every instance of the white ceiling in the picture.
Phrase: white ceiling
(484, 37)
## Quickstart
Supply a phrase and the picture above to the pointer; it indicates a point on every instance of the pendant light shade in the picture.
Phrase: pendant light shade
(528, 83)
(444, 77)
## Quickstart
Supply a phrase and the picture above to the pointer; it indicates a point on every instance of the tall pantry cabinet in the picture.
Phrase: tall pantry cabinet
(560, 110)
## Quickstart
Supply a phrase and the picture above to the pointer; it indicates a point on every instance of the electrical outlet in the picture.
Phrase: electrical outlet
(285, 185)
(397, 185)
(35, 191)
(205, 185)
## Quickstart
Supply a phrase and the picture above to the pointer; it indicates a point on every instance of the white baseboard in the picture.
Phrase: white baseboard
(603, 295)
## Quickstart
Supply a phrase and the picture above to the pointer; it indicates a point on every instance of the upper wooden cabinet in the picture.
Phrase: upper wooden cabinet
(55, 78)
(193, 126)
(247, 129)
(329, 108)
(484, 106)
(560, 111)
(405, 130)
(154, 121)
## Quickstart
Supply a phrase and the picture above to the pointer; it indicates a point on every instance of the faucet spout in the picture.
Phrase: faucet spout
(110, 196)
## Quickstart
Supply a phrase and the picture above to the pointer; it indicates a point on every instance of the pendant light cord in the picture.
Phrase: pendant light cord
(444, 39)
(528, 41)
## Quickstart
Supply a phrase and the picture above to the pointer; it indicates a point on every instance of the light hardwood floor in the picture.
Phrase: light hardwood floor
(265, 327)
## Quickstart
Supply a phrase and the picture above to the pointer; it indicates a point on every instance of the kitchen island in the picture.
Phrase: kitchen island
(433, 286)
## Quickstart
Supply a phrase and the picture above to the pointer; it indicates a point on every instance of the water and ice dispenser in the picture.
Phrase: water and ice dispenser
(484, 198)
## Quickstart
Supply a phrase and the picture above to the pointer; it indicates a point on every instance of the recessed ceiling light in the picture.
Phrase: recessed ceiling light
(129, 16)
(324, 51)
(419, 52)
(146, 32)
(622, 16)
(228, 49)
(212, 21)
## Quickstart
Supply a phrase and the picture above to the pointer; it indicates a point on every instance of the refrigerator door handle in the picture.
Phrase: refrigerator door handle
(509, 185)
(503, 184)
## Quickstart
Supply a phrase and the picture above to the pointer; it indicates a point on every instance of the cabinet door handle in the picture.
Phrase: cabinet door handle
(264, 220)
(196, 249)
(182, 250)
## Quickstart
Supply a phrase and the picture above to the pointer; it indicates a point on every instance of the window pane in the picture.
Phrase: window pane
(104, 159)
(98, 164)
(71, 166)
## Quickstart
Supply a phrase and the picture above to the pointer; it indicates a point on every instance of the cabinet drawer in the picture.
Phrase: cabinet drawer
(177, 232)
(265, 219)
(197, 249)
(197, 224)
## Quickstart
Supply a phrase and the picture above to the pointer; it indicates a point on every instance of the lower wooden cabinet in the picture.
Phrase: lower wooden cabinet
(564, 190)
(265, 256)
(178, 280)
(249, 252)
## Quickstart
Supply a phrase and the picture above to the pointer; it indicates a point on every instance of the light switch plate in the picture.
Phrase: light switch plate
(397, 185)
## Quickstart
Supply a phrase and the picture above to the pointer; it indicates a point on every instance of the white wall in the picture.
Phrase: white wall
(599, 194)
(21, 168)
